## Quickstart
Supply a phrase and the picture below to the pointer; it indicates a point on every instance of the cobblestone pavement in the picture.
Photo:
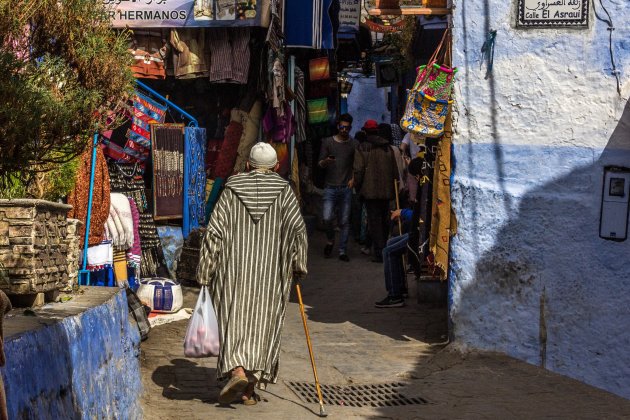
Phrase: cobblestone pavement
(355, 343)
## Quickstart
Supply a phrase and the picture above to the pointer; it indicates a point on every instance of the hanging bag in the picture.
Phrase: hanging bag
(202, 334)
(428, 100)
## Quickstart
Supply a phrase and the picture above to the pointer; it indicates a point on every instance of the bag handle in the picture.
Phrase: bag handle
(439, 52)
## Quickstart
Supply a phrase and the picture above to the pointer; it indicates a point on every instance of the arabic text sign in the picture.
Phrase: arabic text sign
(553, 13)
(182, 13)
(349, 14)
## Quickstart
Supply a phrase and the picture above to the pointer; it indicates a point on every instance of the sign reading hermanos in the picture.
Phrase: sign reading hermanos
(553, 13)
(182, 13)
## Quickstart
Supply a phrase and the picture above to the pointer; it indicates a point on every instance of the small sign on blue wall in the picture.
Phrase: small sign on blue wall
(552, 13)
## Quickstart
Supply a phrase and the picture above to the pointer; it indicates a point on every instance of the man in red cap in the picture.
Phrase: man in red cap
(336, 156)
(375, 173)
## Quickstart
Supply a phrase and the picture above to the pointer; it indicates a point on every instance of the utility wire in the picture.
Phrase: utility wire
(611, 28)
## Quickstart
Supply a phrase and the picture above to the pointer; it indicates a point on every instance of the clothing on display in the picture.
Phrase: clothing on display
(191, 53)
(251, 126)
(149, 50)
(194, 162)
(78, 197)
(229, 150)
(279, 127)
(300, 106)
(229, 60)
(168, 170)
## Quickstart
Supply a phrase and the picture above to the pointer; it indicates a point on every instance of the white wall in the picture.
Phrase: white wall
(367, 102)
(530, 276)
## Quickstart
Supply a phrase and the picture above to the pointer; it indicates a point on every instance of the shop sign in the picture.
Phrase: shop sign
(385, 29)
(349, 15)
(183, 13)
(553, 13)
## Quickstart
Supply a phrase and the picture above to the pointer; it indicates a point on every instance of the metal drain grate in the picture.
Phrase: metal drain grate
(375, 395)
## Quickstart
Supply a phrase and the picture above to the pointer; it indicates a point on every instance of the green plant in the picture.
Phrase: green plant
(401, 42)
(65, 74)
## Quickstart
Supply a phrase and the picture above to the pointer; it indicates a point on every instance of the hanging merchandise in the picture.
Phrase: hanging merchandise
(212, 154)
(317, 110)
(319, 69)
(168, 170)
(78, 197)
(229, 150)
(194, 178)
(251, 126)
(146, 111)
(429, 99)
(190, 53)
(230, 57)
(149, 50)
(300, 106)
(126, 179)
(279, 126)
(282, 151)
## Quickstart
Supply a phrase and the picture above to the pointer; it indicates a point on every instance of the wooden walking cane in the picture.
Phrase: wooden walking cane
(404, 257)
(322, 413)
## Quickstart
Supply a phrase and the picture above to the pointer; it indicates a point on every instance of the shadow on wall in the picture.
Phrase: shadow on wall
(549, 290)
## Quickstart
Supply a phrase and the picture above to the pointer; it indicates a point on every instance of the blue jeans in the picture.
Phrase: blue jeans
(339, 199)
(393, 265)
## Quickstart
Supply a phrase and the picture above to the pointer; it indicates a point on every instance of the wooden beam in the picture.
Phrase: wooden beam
(409, 11)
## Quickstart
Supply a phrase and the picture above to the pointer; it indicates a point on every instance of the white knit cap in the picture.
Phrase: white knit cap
(263, 156)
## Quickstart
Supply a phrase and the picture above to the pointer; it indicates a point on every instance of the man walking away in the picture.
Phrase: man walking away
(375, 173)
(337, 158)
(254, 246)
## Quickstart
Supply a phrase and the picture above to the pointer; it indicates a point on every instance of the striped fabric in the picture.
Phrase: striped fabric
(254, 245)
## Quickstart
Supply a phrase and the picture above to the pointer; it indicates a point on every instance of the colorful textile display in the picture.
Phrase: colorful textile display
(279, 126)
(443, 223)
(317, 110)
(190, 52)
(425, 115)
(428, 100)
(319, 69)
(120, 268)
(100, 256)
(229, 150)
(78, 197)
(149, 50)
(194, 178)
(230, 56)
(282, 150)
(145, 112)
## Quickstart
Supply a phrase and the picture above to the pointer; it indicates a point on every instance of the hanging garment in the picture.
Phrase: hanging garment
(120, 268)
(100, 256)
(229, 150)
(195, 181)
(282, 150)
(279, 127)
(190, 53)
(120, 222)
(278, 98)
(300, 107)
(149, 49)
(78, 197)
(134, 254)
(305, 15)
(230, 59)
(251, 126)
(217, 185)
(443, 222)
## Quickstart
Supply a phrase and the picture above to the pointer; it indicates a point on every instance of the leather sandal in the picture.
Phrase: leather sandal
(253, 400)
(230, 391)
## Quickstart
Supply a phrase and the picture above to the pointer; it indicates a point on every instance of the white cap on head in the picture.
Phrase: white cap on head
(263, 155)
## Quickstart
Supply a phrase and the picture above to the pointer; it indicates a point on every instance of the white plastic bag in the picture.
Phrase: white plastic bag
(202, 335)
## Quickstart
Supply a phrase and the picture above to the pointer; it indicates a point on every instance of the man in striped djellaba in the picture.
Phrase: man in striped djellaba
(254, 246)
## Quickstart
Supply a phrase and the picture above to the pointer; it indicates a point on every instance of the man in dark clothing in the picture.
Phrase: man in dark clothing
(375, 173)
(337, 158)
(393, 252)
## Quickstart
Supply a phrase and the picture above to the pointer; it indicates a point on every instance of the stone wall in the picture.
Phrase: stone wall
(74, 245)
(32, 245)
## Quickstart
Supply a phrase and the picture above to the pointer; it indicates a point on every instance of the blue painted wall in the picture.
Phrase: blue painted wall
(530, 276)
(82, 367)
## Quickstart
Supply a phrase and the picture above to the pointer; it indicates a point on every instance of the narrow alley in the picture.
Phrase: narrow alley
(357, 344)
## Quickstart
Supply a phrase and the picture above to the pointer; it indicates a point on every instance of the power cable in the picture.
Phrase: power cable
(611, 28)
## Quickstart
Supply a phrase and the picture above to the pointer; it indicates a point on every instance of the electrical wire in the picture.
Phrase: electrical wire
(611, 28)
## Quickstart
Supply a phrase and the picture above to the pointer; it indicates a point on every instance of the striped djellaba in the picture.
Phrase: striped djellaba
(254, 246)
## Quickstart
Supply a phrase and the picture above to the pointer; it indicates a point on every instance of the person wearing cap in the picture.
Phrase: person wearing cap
(254, 246)
(375, 171)
(336, 156)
